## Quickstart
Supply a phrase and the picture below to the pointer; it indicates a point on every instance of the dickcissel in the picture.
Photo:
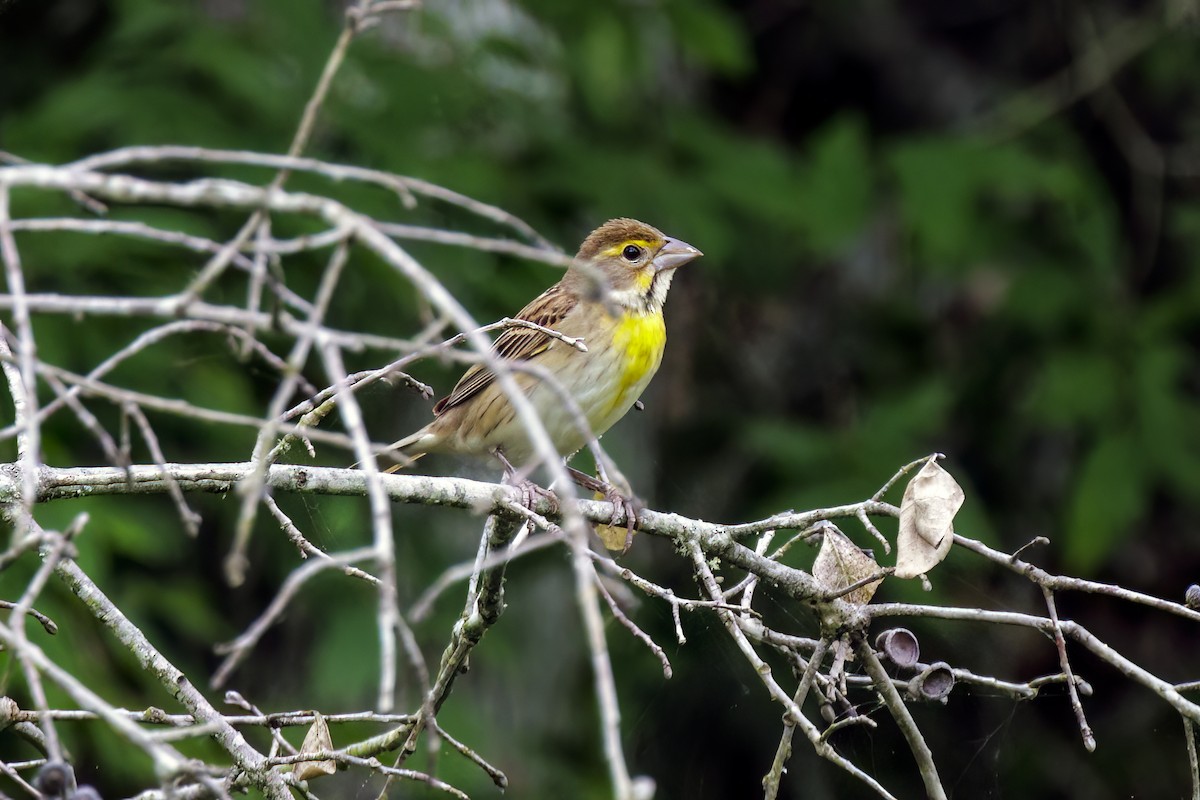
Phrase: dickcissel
(612, 298)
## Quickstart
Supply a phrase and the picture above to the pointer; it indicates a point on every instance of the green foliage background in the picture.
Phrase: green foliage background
(907, 250)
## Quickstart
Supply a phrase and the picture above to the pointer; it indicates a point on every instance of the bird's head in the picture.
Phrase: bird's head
(635, 260)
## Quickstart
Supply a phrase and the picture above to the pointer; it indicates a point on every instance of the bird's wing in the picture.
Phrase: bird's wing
(515, 344)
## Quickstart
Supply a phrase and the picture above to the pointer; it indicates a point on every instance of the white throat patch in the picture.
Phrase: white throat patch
(650, 302)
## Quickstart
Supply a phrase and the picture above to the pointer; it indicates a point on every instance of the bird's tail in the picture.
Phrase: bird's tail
(409, 449)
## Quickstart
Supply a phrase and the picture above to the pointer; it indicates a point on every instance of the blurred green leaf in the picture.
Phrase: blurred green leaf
(836, 188)
(710, 33)
(1168, 422)
(1075, 387)
(939, 184)
(604, 66)
(959, 198)
(1108, 497)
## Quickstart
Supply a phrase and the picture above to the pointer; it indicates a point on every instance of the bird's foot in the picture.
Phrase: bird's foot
(626, 506)
(530, 491)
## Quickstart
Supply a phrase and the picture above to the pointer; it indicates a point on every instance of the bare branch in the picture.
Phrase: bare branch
(908, 726)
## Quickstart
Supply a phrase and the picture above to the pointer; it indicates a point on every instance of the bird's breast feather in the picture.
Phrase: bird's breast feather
(639, 339)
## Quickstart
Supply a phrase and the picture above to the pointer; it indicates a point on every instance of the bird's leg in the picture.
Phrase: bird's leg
(625, 502)
(529, 490)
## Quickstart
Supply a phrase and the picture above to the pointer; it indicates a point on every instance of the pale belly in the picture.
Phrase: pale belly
(603, 384)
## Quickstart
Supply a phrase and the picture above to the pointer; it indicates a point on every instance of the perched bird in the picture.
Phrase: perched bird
(611, 298)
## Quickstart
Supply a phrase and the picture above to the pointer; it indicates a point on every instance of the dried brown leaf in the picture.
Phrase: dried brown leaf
(315, 741)
(927, 511)
(841, 563)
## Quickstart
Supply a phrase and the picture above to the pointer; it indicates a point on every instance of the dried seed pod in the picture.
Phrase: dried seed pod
(932, 683)
(899, 646)
(55, 779)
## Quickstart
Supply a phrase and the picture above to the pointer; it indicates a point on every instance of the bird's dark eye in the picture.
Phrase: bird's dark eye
(632, 252)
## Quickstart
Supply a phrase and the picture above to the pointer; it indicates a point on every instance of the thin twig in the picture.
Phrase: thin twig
(306, 547)
(763, 670)
(421, 607)
(1060, 583)
(143, 341)
(49, 625)
(115, 455)
(633, 628)
(586, 580)
(22, 382)
(198, 244)
(498, 777)
(772, 780)
(175, 681)
(164, 307)
(251, 488)
(1085, 730)
(388, 610)
(237, 650)
(191, 520)
(1189, 734)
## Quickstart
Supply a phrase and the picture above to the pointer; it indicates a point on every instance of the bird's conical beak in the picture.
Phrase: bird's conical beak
(675, 254)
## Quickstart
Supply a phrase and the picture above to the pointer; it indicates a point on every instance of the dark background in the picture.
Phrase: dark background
(963, 227)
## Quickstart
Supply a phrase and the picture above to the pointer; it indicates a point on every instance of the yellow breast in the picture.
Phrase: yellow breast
(639, 340)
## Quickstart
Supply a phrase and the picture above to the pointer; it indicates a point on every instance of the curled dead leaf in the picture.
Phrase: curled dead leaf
(317, 740)
(927, 511)
(841, 563)
(614, 538)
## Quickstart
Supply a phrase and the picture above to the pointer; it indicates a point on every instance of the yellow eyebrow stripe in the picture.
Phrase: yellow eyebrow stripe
(617, 248)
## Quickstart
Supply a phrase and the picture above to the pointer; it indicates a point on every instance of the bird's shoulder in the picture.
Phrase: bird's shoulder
(517, 343)
(548, 310)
